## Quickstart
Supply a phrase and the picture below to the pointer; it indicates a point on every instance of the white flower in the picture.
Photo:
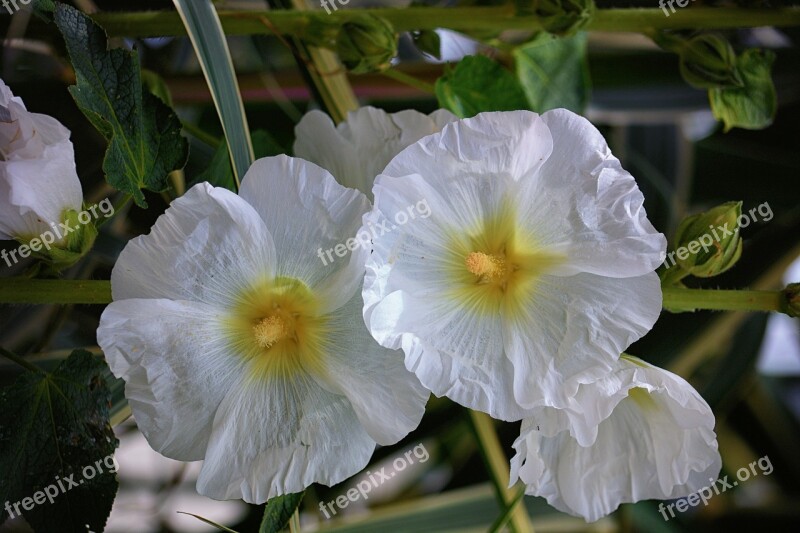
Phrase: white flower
(38, 180)
(358, 149)
(655, 440)
(240, 348)
(533, 272)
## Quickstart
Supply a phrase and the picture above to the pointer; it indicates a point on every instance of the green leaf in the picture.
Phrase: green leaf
(54, 432)
(279, 511)
(554, 72)
(157, 86)
(220, 173)
(205, 31)
(753, 106)
(479, 84)
(144, 135)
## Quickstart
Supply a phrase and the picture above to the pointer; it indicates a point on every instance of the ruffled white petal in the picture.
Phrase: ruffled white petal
(38, 180)
(654, 443)
(358, 149)
(388, 399)
(583, 204)
(308, 213)
(276, 437)
(207, 247)
(176, 366)
(572, 329)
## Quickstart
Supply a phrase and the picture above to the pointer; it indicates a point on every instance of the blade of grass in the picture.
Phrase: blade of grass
(208, 39)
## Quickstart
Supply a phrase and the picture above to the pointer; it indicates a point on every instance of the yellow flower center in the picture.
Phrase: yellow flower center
(277, 327)
(270, 330)
(487, 267)
(495, 266)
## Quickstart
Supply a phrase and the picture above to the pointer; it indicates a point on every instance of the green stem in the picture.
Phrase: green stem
(286, 22)
(19, 360)
(678, 300)
(411, 81)
(497, 464)
(54, 291)
(121, 203)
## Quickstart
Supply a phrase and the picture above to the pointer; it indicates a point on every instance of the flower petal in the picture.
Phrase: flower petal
(176, 366)
(207, 247)
(656, 443)
(278, 437)
(388, 399)
(572, 329)
(309, 214)
(359, 149)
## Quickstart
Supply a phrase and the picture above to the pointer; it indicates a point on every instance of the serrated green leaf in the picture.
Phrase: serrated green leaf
(753, 106)
(208, 39)
(220, 172)
(279, 511)
(54, 427)
(144, 135)
(554, 72)
(479, 84)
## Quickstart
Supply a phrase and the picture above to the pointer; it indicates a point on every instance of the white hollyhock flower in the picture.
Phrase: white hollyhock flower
(38, 180)
(358, 149)
(650, 436)
(240, 348)
(533, 272)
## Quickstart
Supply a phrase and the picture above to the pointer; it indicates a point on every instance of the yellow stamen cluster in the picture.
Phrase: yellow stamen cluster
(486, 267)
(270, 330)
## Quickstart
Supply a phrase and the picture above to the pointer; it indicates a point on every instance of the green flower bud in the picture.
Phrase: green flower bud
(559, 17)
(366, 43)
(708, 243)
(708, 61)
(63, 245)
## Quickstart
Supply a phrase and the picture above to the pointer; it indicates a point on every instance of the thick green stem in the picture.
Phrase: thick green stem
(54, 291)
(678, 300)
(166, 23)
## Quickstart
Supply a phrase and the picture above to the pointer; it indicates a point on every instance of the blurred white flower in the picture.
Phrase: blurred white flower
(647, 434)
(38, 180)
(533, 272)
(238, 347)
(358, 149)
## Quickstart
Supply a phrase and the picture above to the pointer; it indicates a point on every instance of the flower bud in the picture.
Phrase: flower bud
(708, 243)
(366, 43)
(559, 17)
(708, 61)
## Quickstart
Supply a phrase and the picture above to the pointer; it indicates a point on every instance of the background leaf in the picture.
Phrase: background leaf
(753, 106)
(554, 72)
(279, 511)
(52, 426)
(479, 84)
(220, 172)
(144, 135)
